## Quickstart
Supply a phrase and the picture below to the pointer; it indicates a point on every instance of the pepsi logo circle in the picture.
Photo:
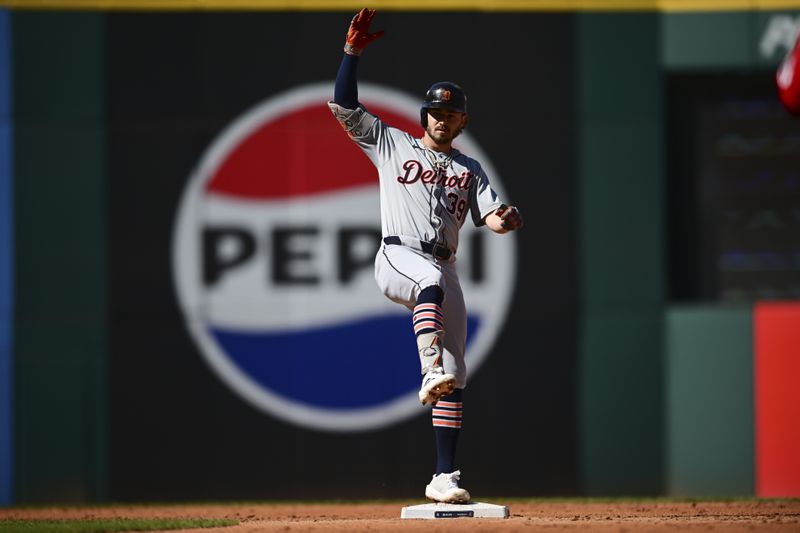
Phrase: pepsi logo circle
(273, 250)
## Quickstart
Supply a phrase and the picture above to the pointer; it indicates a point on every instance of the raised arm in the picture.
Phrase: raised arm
(345, 92)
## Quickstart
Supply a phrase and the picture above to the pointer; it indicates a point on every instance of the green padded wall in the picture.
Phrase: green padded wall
(620, 253)
(727, 40)
(709, 397)
(60, 332)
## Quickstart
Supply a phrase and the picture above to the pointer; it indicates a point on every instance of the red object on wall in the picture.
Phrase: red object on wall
(777, 398)
(787, 79)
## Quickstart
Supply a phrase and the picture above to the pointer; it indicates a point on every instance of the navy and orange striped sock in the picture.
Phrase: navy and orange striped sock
(428, 316)
(447, 415)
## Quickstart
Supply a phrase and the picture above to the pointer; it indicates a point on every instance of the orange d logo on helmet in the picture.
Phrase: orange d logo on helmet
(443, 95)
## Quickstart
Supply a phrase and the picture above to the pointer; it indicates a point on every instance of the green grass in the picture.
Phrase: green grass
(111, 525)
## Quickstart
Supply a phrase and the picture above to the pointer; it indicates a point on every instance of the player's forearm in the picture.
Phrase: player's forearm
(345, 92)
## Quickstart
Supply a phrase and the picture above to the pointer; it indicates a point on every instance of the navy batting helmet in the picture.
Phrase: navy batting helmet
(443, 95)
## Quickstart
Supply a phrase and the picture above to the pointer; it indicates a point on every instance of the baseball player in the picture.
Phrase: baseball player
(787, 79)
(428, 189)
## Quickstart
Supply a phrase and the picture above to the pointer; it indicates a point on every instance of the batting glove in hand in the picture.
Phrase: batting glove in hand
(510, 216)
(358, 36)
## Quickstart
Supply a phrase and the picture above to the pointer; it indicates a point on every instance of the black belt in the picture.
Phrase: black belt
(439, 252)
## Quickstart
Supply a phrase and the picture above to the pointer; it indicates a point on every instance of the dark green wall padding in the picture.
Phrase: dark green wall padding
(60, 323)
(709, 398)
(620, 254)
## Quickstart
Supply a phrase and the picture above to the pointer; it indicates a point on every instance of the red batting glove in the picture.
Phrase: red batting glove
(510, 216)
(788, 80)
(358, 36)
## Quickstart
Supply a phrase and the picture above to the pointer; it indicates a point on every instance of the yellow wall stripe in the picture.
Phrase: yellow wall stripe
(413, 5)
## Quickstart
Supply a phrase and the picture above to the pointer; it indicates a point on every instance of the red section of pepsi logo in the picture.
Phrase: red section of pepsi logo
(301, 153)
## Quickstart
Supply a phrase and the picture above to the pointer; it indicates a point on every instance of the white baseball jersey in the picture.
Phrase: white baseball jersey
(425, 195)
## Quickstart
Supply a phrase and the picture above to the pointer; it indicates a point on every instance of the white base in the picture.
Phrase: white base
(451, 510)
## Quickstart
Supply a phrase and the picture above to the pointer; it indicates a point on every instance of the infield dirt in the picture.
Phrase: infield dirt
(546, 516)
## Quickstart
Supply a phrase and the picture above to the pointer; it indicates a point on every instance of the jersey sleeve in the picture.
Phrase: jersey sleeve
(483, 199)
(366, 130)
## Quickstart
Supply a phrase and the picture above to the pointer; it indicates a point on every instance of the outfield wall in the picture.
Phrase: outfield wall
(614, 381)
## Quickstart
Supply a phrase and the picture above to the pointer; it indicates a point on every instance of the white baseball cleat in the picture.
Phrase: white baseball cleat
(444, 488)
(436, 384)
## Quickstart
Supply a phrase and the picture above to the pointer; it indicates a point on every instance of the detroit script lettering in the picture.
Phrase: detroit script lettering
(414, 172)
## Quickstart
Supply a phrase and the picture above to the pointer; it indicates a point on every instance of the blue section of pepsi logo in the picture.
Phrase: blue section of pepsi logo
(358, 365)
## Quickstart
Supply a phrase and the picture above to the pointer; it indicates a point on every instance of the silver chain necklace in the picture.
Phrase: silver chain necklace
(439, 163)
